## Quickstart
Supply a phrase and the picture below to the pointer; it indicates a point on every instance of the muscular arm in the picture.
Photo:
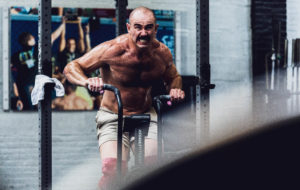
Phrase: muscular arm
(89, 62)
(171, 77)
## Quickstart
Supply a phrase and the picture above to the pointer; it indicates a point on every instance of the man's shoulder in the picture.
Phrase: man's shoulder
(164, 52)
(162, 49)
(121, 41)
(117, 45)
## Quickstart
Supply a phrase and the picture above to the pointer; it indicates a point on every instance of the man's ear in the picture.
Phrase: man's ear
(156, 28)
(128, 27)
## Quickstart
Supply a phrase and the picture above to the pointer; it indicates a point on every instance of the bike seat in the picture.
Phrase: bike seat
(134, 121)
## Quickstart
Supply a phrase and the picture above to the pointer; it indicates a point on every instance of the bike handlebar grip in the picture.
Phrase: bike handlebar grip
(113, 89)
(117, 94)
(157, 105)
(162, 97)
(109, 87)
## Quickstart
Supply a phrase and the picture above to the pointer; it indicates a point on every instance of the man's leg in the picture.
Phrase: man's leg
(151, 140)
(108, 154)
(107, 125)
(109, 150)
(150, 151)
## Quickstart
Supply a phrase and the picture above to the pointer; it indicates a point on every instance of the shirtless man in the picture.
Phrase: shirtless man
(130, 62)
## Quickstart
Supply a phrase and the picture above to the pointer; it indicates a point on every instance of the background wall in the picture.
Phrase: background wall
(231, 63)
(74, 145)
(74, 139)
(293, 24)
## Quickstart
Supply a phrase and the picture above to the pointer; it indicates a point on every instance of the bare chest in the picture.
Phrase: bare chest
(130, 70)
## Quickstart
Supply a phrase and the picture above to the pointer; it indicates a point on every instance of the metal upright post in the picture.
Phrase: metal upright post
(203, 71)
(44, 106)
(121, 16)
(5, 21)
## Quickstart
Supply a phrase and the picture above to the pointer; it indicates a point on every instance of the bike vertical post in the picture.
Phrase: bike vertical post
(139, 147)
(120, 134)
(120, 129)
(159, 130)
(158, 106)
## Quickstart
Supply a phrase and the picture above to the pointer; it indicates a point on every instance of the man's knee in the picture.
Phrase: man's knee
(109, 167)
(150, 147)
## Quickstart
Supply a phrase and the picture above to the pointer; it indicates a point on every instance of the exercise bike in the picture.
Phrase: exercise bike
(138, 125)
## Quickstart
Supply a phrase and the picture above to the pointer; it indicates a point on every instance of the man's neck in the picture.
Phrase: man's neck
(141, 52)
(137, 50)
(148, 50)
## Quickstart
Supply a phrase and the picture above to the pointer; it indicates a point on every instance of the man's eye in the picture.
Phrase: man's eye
(137, 27)
(149, 27)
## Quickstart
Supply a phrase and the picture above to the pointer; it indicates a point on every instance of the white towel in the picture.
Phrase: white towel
(38, 92)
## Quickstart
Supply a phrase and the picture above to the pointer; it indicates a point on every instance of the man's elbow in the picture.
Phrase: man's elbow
(68, 68)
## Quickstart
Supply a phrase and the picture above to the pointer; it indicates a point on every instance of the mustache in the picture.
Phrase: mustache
(144, 38)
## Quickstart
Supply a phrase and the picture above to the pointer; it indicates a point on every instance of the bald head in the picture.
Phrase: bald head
(142, 27)
(141, 10)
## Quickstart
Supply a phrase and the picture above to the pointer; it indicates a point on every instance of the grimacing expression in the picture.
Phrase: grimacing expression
(71, 45)
(142, 28)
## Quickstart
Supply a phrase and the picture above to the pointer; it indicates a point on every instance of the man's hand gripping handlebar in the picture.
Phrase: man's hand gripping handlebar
(95, 84)
(175, 95)
(160, 98)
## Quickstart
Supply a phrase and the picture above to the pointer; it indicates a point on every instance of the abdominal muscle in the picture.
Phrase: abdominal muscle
(134, 80)
(135, 100)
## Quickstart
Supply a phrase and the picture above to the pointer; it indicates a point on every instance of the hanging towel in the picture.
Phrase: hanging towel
(38, 92)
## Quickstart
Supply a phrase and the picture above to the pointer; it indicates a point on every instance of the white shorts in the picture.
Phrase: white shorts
(107, 127)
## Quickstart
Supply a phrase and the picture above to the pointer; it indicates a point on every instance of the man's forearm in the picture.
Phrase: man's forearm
(175, 83)
(75, 74)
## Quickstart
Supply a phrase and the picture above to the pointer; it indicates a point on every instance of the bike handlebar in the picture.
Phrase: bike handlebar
(157, 105)
(120, 124)
(110, 88)
(162, 97)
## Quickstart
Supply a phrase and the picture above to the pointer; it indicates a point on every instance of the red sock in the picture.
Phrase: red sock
(109, 167)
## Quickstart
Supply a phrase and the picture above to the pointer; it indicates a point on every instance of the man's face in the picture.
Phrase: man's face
(71, 45)
(31, 41)
(142, 28)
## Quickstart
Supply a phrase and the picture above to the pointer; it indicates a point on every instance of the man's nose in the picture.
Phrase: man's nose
(143, 32)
